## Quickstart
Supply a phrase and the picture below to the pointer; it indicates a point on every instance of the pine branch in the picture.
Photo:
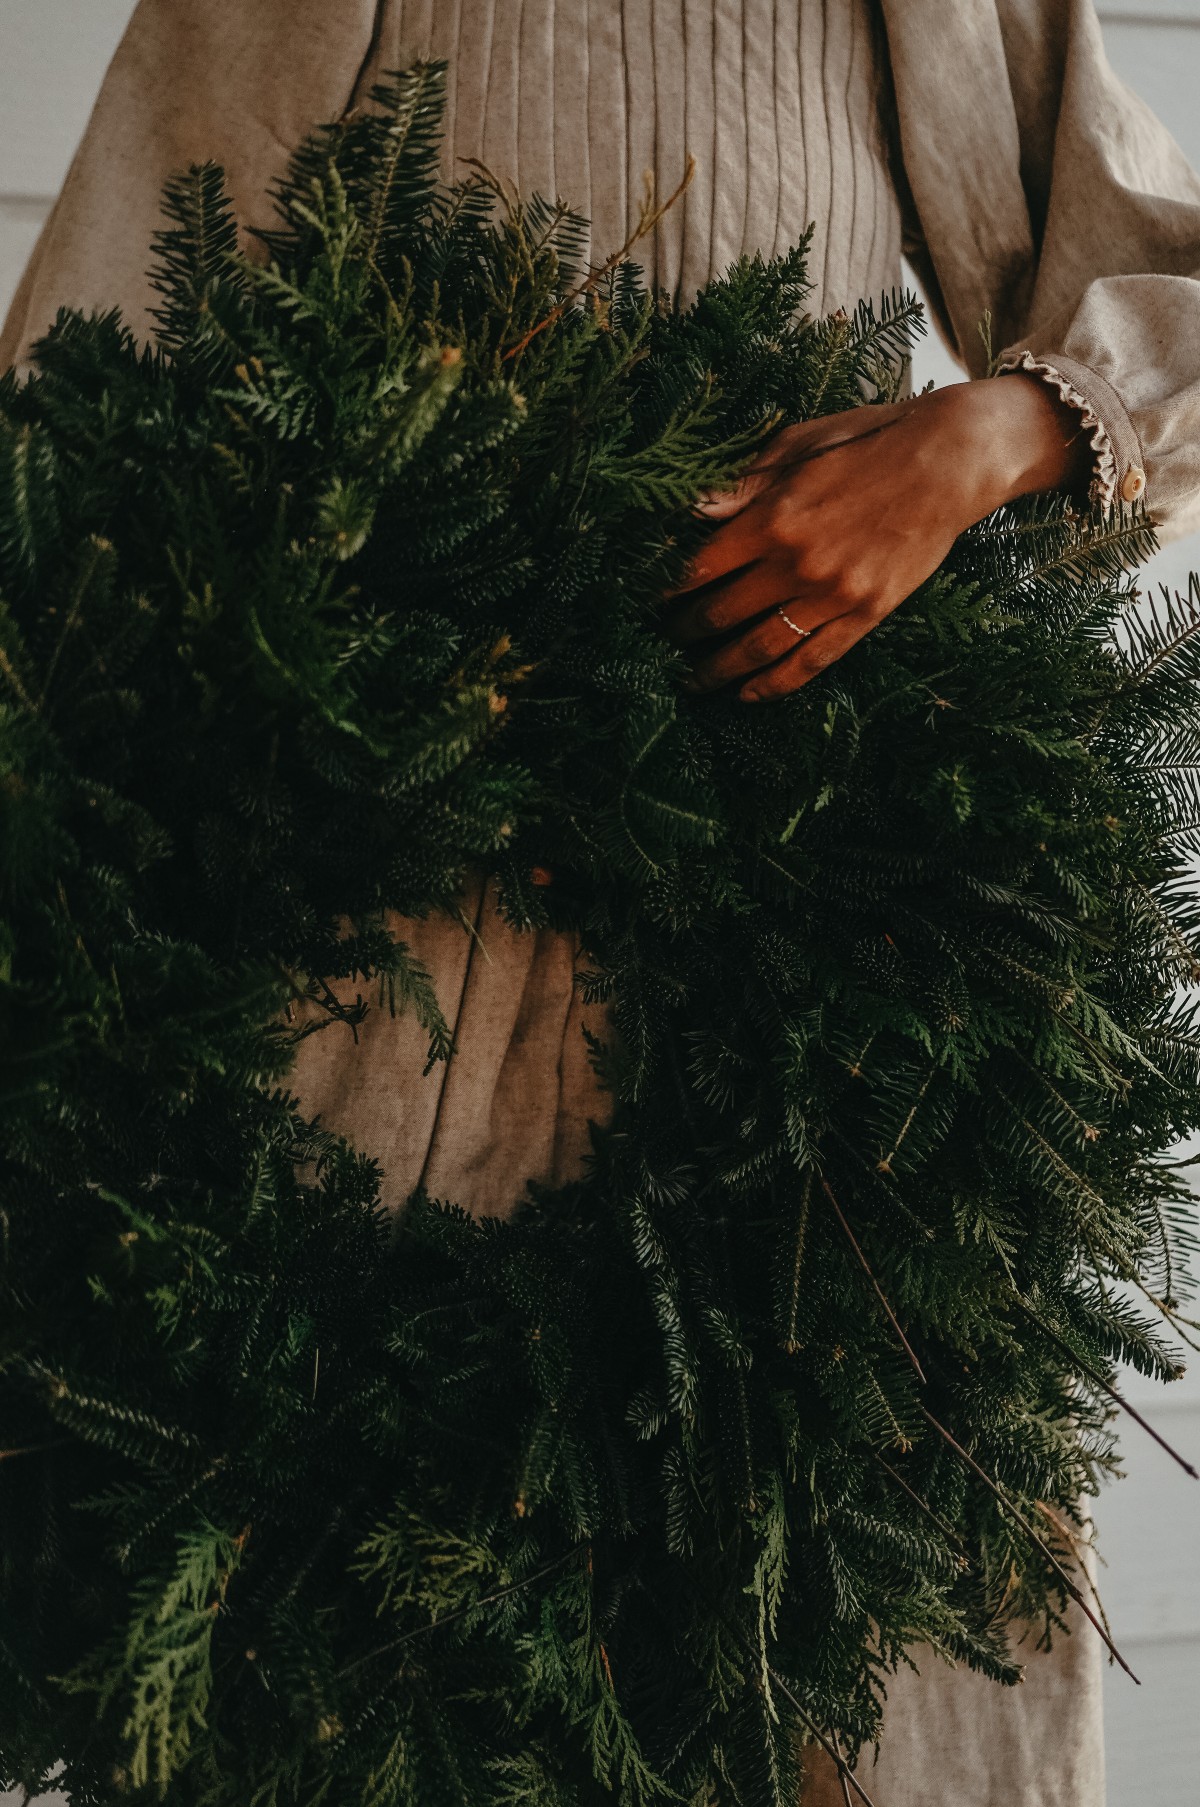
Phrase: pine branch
(463, 1612)
(1039, 1543)
(650, 212)
(879, 1293)
(1106, 1386)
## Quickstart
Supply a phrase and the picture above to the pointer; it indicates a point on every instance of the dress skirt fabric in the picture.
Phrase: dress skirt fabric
(514, 1100)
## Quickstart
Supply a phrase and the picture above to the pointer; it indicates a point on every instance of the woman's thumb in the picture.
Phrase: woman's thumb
(721, 504)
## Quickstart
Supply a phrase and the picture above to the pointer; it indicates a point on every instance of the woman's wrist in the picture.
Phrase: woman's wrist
(1020, 438)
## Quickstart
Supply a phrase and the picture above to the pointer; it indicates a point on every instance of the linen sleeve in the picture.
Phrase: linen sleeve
(1113, 316)
(235, 81)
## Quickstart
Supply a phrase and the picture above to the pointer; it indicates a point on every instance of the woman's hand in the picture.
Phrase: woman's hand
(840, 519)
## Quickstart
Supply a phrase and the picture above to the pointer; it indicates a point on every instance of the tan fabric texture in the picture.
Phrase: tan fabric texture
(514, 1100)
(987, 136)
(954, 1739)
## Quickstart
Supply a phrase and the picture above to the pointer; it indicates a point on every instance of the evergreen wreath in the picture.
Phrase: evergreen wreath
(350, 586)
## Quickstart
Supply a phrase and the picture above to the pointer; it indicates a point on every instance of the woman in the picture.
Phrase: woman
(986, 138)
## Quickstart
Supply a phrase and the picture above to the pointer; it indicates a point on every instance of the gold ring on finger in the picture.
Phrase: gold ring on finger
(801, 633)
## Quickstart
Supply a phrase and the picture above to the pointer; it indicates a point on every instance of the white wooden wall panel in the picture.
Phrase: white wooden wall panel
(1162, 63)
(52, 57)
(20, 221)
(1152, 1600)
(1149, 1732)
(1146, 12)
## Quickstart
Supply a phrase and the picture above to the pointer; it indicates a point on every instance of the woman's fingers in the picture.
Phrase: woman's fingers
(722, 607)
(745, 512)
(788, 448)
(845, 518)
(782, 449)
(767, 640)
(723, 504)
(810, 658)
(737, 542)
(860, 510)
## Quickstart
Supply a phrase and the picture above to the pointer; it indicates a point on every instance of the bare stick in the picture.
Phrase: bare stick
(881, 1295)
(10, 672)
(945, 1529)
(848, 1778)
(1094, 1374)
(837, 1743)
(460, 1612)
(1173, 1317)
(1009, 1506)
(843, 1768)
(1066, 1532)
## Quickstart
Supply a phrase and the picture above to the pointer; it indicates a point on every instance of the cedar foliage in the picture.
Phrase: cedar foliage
(349, 585)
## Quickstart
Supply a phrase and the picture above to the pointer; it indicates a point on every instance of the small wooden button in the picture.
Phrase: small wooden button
(1133, 483)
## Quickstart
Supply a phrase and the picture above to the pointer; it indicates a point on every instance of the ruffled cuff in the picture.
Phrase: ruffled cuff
(1118, 465)
(1103, 486)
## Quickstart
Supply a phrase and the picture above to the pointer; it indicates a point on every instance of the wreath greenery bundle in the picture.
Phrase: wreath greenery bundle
(347, 587)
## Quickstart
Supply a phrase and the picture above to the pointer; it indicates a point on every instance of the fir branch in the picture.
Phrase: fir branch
(1039, 1543)
(946, 1530)
(463, 1612)
(1106, 1386)
(879, 1292)
(650, 212)
(848, 1778)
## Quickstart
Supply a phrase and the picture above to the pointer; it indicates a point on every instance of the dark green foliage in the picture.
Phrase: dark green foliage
(349, 587)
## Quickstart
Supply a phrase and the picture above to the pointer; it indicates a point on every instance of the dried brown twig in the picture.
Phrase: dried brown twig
(650, 213)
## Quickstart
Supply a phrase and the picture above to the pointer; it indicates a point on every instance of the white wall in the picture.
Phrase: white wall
(52, 56)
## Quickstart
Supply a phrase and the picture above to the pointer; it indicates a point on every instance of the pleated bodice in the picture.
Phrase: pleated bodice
(783, 103)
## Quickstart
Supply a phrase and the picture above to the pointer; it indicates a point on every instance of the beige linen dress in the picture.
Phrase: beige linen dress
(988, 139)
